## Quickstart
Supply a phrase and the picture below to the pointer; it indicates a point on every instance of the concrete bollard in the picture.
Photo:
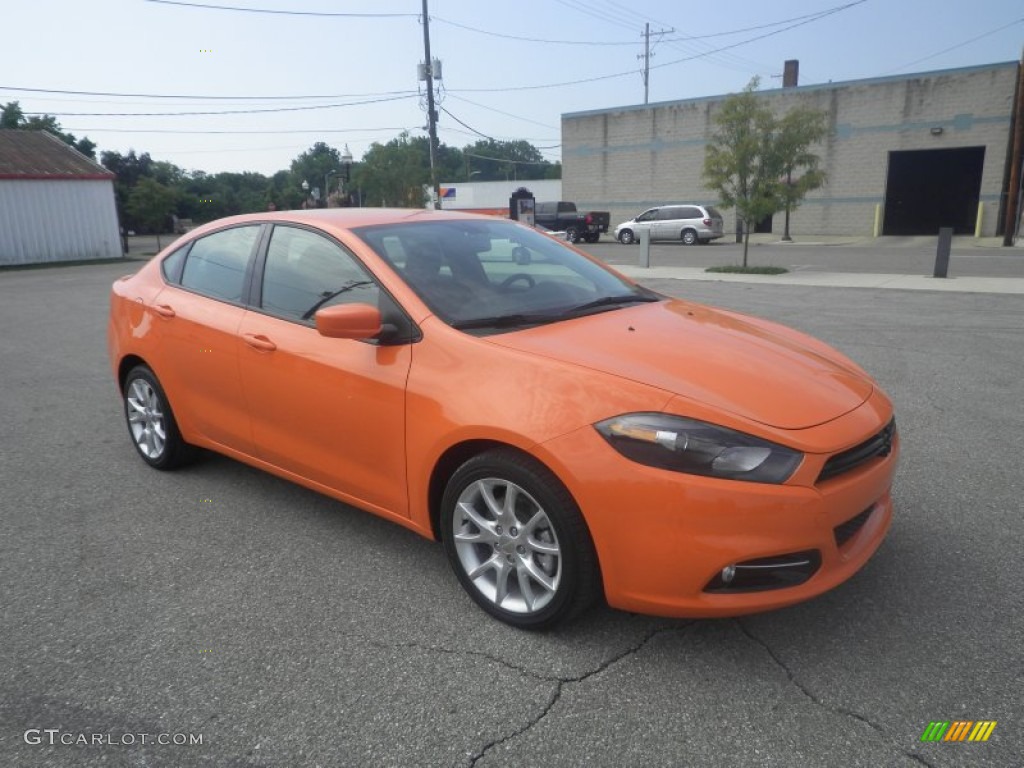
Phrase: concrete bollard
(643, 239)
(942, 252)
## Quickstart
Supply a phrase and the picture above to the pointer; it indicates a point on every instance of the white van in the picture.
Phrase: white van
(683, 221)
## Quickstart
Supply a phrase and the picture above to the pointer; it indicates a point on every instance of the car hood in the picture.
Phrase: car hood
(764, 373)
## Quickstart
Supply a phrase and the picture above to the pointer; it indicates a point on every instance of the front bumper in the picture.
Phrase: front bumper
(663, 538)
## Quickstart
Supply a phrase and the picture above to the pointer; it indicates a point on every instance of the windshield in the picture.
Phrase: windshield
(496, 274)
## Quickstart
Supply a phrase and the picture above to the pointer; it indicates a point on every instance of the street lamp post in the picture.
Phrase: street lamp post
(326, 187)
(346, 170)
(305, 193)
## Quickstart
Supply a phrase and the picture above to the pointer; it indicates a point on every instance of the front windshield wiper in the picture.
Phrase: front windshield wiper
(328, 296)
(522, 318)
(506, 321)
(607, 301)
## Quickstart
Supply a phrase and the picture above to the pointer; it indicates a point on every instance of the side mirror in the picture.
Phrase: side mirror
(349, 321)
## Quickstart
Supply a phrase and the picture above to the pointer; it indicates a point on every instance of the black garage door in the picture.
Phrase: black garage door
(932, 188)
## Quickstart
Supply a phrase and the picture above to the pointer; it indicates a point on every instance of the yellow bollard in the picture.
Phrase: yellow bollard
(977, 224)
(878, 220)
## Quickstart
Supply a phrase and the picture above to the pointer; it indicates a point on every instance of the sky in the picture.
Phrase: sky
(344, 72)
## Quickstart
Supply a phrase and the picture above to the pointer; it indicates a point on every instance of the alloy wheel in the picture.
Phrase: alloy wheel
(507, 546)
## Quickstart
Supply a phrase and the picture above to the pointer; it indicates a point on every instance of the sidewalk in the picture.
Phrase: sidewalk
(1009, 285)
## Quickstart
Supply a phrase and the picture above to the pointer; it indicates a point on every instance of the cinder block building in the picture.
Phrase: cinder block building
(905, 155)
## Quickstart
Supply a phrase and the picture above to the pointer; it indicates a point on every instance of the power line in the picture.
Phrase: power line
(218, 112)
(205, 97)
(599, 78)
(240, 132)
(500, 112)
(954, 47)
(474, 130)
(286, 13)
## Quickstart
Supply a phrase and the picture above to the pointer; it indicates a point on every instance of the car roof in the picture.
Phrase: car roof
(344, 218)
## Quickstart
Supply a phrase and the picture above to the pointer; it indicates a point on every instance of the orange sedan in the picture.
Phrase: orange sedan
(567, 433)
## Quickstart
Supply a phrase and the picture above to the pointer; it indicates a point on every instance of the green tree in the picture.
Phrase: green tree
(752, 153)
(492, 160)
(795, 133)
(319, 164)
(394, 174)
(12, 116)
(150, 204)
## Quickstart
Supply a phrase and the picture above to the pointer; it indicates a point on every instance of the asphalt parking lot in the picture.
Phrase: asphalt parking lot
(286, 629)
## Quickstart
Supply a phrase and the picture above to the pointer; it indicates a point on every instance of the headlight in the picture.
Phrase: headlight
(698, 448)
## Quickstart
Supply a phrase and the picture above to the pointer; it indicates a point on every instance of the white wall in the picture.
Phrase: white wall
(57, 220)
(472, 195)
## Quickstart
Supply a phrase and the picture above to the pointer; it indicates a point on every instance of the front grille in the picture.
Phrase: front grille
(766, 573)
(846, 531)
(876, 446)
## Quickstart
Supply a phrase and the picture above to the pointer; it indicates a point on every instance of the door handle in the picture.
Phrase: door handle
(164, 310)
(259, 341)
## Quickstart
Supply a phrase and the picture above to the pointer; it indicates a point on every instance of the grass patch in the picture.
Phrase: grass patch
(749, 270)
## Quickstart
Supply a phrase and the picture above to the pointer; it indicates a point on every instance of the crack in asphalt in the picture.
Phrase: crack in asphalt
(839, 710)
(561, 682)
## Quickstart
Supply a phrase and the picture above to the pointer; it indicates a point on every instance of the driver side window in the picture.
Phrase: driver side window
(647, 215)
(305, 272)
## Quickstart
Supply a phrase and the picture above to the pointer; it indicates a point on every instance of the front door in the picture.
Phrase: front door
(329, 410)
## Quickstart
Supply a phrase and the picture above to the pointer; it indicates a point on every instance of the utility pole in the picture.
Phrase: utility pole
(428, 68)
(647, 54)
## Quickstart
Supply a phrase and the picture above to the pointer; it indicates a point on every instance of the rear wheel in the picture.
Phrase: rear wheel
(592, 237)
(689, 237)
(572, 235)
(626, 236)
(151, 422)
(517, 541)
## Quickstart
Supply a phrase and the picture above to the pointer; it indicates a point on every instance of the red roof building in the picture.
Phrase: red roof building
(55, 203)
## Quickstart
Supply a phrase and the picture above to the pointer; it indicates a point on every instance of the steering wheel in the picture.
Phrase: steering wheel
(508, 281)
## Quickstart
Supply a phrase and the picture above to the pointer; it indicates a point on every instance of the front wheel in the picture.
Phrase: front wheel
(517, 541)
(151, 422)
(572, 235)
(626, 236)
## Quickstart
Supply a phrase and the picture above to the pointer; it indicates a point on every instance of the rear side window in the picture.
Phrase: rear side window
(217, 263)
(712, 212)
(690, 212)
(171, 266)
(669, 213)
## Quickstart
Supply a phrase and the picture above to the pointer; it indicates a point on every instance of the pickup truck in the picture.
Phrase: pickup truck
(577, 225)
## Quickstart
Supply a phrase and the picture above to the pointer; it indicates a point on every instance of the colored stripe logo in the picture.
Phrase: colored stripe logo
(958, 730)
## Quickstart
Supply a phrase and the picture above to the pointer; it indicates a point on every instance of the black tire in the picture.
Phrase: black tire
(147, 413)
(626, 237)
(572, 235)
(592, 237)
(554, 557)
(689, 237)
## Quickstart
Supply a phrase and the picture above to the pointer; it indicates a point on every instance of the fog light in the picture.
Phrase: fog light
(728, 573)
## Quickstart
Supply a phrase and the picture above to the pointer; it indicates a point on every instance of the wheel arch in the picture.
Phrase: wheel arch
(458, 454)
(127, 363)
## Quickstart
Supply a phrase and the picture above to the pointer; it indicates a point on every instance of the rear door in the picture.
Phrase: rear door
(329, 410)
(199, 316)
